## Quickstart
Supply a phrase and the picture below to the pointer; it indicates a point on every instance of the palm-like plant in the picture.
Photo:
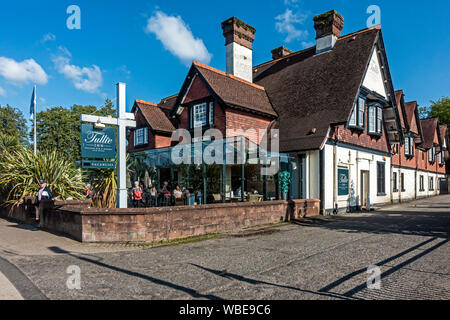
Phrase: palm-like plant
(21, 170)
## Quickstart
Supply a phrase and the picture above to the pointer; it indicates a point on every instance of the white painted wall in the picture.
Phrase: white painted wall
(239, 61)
(356, 161)
(374, 79)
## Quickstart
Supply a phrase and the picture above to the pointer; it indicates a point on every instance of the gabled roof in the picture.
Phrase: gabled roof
(235, 92)
(399, 98)
(429, 127)
(167, 103)
(315, 91)
(444, 137)
(154, 116)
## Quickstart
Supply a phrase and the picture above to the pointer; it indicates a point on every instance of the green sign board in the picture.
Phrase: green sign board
(88, 164)
(98, 143)
(343, 182)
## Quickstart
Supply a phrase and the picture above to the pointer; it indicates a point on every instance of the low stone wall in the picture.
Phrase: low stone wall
(157, 224)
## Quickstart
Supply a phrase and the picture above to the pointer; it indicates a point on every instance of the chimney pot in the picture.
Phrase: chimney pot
(280, 52)
(239, 38)
(328, 27)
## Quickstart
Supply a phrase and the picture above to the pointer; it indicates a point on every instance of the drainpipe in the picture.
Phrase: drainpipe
(335, 204)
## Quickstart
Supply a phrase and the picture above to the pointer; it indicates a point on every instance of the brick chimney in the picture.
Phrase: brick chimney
(280, 52)
(328, 27)
(239, 38)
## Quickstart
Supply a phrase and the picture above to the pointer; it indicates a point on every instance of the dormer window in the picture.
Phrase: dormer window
(202, 115)
(357, 116)
(432, 155)
(375, 119)
(409, 146)
(441, 157)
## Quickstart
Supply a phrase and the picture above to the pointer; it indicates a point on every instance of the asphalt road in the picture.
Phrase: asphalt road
(324, 258)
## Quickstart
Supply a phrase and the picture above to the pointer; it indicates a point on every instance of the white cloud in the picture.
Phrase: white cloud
(22, 72)
(290, 2)
(286, 24)
(307, 44)
(177, 38)
(88, 79)
(2, 92)
(48, 37)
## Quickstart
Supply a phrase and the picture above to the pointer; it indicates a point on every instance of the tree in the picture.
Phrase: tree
(441, 109)
(59, 128)
(13, 124)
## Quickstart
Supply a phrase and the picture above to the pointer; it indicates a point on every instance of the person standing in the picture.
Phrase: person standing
(43, 193)
(136, 194)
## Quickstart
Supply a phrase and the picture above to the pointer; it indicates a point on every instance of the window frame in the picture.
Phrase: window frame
(357, 120)
(139, 133)
(421, 183)
(381, 178)
(209, 114)
(409, 142)
(395, 181)
(377, 118)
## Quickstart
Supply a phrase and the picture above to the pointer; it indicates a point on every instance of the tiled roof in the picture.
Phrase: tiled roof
(314, 91)
(155, 116)
(428, 130)
(398, 99)
(236, 92)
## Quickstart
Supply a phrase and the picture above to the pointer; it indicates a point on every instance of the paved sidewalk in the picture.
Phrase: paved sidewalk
(7, 290)
(325, 258)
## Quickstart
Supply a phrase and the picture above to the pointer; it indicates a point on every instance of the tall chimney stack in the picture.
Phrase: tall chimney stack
(328, 27)
(239, 38)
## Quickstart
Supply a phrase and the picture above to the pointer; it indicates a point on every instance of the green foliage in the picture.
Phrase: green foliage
(21, 171)
(441, 109)
(12, 123)
(58, 128)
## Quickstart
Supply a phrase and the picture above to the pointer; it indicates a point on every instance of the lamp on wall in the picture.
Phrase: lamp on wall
(99, 125)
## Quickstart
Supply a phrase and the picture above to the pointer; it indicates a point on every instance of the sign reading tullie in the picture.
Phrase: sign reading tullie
(343, 182)
(98, 144)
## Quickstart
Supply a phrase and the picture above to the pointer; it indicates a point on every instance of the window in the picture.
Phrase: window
(441, 157)
(375, 119)
(431, 184)
(395, 182)
(141, 137)
(432, 155)
(357, 116)
(381, 178)
(409, 146)
(402, 178)
(421, 184)
(202, 115)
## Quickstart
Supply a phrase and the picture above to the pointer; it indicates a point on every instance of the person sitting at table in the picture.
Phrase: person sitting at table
(253, 190)
(178, 194)
(153, 195)
(238, 192)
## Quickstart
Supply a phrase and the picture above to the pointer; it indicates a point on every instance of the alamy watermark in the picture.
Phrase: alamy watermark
(74, 280)
(374, 280)
(74, 20)
(375, 16)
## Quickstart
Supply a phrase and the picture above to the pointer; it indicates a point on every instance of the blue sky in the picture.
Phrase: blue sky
(148, 44)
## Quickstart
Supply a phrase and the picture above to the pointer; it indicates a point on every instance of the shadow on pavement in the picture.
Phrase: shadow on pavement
(189, 291)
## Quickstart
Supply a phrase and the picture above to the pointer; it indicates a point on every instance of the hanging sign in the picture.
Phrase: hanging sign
(343, 182)
(98, 143)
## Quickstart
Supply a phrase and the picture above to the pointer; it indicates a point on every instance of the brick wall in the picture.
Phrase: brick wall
(155, 224)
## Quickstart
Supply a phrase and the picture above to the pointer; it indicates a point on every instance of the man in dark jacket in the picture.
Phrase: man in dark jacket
(43, 193)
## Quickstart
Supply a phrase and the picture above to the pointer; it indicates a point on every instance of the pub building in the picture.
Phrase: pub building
(345, 135)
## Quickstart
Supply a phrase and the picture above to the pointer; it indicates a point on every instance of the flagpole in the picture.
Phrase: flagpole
(34, 122)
